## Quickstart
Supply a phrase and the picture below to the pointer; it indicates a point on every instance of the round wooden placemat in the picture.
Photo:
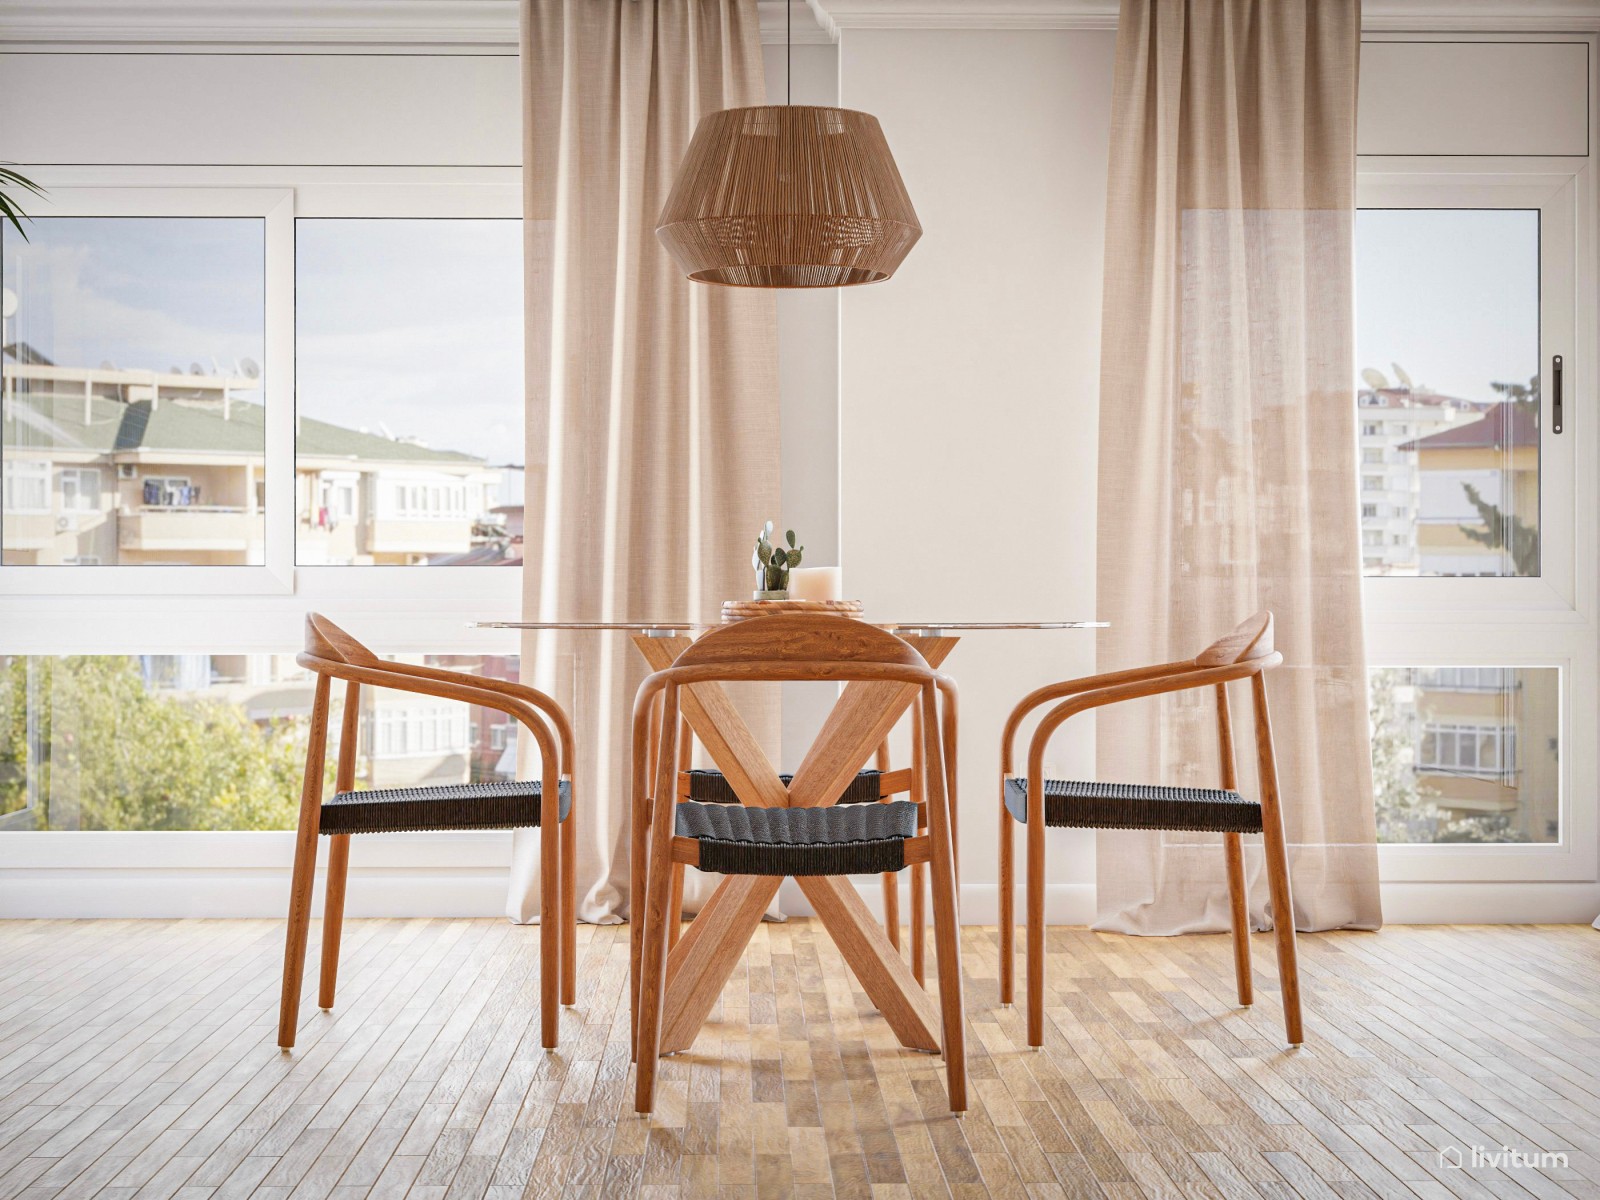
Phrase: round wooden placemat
(739, 610)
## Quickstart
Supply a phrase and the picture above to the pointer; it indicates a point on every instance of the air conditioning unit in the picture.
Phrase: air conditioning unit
(66, 524)
(127, 470)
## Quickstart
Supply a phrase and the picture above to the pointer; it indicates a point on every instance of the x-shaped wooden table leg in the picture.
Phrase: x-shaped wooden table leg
(706, 955)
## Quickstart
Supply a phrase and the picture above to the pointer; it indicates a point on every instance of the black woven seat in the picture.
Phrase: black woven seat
(712, 787)
(833, 840)
(1089, 805)
(512, 804)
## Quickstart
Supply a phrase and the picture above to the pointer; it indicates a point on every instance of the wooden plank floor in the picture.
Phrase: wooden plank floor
(137, 1059)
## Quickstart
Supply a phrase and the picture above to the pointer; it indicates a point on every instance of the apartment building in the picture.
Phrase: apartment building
(1497, 457)
(110, 466)
(1392, 419)
(1487, 746)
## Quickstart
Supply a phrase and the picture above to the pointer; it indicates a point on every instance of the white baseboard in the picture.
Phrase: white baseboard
(455, 891)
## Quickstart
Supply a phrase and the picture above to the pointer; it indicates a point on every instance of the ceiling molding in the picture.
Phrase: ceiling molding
(417, 24)
(1503, 16)
(491, 25)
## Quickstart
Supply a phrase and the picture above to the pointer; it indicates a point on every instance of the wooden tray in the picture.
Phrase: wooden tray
(739, 610)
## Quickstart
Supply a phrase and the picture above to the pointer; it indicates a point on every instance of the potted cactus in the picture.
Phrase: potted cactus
(772, 564)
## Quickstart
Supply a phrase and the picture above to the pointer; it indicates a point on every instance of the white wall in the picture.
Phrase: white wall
(968, 384)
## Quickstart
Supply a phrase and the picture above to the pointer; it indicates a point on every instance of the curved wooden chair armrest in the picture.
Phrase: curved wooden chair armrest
(1069, 687)
(450, 688)
(540, 700)
(1193, 677)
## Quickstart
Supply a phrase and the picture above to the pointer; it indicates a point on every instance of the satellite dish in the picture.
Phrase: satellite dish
(1374, 379)
(250, 368)
(8, 303)
(194, 369)
(1400, 374)
(107, 365)
(174, 370)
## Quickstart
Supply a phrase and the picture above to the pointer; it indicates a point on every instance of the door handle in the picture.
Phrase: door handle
(1555, 395)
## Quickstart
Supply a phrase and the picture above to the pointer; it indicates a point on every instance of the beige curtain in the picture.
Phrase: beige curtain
(652, 402)
(1228, 478)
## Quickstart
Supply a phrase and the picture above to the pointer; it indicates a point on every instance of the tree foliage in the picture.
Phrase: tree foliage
(108, 753)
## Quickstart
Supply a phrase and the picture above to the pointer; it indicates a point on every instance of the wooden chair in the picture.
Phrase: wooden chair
(746, 839)
(331, 653)
(1038, 803)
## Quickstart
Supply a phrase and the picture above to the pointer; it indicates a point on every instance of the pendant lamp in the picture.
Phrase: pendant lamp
(788, 196)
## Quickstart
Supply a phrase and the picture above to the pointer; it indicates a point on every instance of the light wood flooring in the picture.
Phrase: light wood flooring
(137, 1059)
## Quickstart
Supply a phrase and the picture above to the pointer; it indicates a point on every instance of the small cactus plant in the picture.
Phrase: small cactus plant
(772, 564)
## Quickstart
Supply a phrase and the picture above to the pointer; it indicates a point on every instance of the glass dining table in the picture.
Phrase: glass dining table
(704, 958)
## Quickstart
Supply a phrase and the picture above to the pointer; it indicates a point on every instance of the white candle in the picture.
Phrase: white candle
(814, 583)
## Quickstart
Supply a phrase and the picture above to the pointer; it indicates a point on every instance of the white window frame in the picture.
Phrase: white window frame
(1549, 621)
(261, 610)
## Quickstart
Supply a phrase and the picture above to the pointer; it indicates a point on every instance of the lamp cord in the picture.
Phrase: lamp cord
(788, 52)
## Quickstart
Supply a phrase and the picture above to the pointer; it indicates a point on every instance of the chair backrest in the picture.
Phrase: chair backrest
(1250, 639)
(792, 640)
(324, 639)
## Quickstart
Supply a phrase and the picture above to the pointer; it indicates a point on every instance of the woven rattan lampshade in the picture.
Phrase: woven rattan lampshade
(785, 196)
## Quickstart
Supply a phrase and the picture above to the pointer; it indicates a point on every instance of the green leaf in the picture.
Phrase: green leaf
(794, 557)
(790, 537)
(780, 557)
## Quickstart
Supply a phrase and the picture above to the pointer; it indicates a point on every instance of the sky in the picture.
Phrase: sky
(1451, 295)
(148, 292)
(407, 327)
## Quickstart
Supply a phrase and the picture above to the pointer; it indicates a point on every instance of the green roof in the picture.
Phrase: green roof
(54, 421)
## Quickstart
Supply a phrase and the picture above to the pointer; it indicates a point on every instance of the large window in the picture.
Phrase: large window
(213, 742)
(410, 381)
(132, 346)
(1467, 299)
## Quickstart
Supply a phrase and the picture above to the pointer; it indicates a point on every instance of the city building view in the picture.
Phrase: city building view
(106, 466)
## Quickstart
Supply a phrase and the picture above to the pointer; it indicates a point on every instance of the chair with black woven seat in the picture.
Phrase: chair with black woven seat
(331, 653)
(706, 785)
(780, 840)
(1040, 803)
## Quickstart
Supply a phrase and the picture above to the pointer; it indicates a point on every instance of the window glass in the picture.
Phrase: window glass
(410, 386)
(197, 741)
(133, 345)
(1447, 347)
(1466, 754)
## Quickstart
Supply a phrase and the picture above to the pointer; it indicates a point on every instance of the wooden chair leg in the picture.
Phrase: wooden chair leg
(675, 906)
(1035, 916)
(1238, 903)
(653, 964)
(947, 934)
(1008, 930)
(333, 917)
(339, 850)
(646, 742)
(919, 874)
(305, 868)
(891, 880)
(1277, 856)
(569, 904)
(550, 923)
